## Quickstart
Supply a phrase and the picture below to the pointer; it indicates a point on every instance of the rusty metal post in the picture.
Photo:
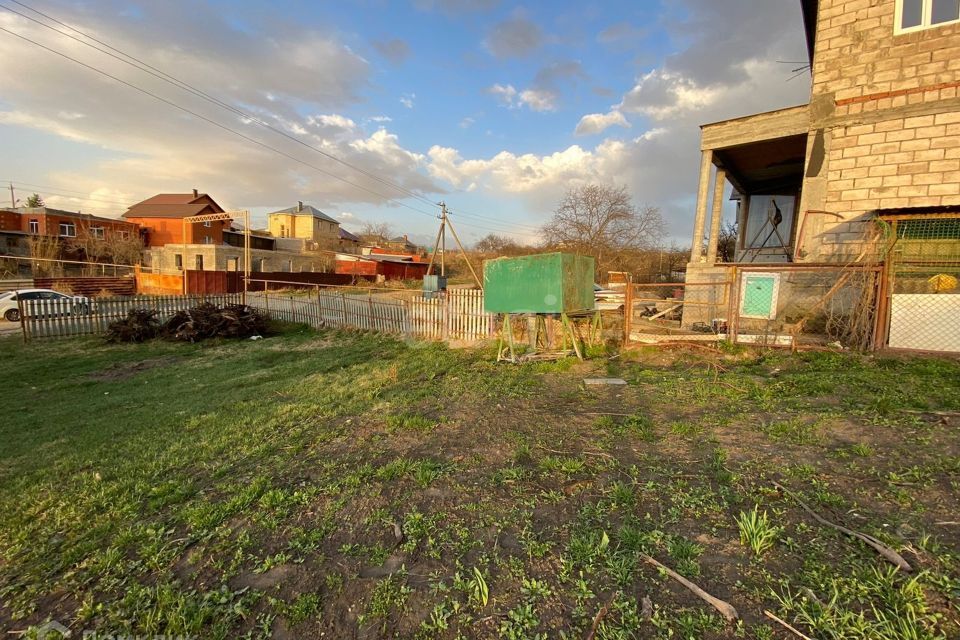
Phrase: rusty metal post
(628, 310)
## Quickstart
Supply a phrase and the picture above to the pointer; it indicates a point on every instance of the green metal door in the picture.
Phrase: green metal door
(759, 295)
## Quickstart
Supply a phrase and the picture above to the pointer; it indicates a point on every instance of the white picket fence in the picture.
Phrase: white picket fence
(458, 315)
(65, 318)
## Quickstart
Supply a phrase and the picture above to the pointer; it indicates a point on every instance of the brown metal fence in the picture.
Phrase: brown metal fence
(70, 317)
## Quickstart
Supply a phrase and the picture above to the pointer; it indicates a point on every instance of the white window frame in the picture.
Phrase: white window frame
(34, 226)
(97, 232)
(207, 223)
(925, 20)
(207, 240)
(66, 228)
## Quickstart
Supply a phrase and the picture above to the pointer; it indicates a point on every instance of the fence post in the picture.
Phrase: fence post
(628, 310)
(23, 319)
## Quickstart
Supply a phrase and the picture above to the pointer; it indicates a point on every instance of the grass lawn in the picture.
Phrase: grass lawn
(341, 485)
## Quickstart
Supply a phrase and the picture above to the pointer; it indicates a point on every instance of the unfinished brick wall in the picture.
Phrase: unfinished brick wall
(889, 107)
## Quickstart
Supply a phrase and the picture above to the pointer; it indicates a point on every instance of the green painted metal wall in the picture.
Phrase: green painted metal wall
(541, 283)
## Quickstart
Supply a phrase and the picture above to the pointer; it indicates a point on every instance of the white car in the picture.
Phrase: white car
(64, 304)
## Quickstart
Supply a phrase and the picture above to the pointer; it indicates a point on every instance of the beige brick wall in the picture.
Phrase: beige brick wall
(858, 54)
(892, 117)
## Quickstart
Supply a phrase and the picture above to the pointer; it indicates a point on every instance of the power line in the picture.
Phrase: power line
(48, 190)
(162, 75)
(215, 123)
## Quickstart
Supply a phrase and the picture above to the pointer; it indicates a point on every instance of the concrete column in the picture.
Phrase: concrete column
(706, 162)
(719, 187)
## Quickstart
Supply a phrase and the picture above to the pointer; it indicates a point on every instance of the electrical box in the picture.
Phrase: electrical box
(541, 283)
(433, 282)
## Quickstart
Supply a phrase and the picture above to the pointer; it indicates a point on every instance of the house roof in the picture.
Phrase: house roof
(346, 235)
(173, 205)
(404, 239)
(144, 210)
(62, 213)
(307, 210)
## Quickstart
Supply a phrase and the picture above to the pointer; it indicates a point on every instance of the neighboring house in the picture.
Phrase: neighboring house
(349, 243)
(208, 246)
(401, 244)
(161, 219)
(864, 178)
(306, 223)
(48, 221)
(80, 236)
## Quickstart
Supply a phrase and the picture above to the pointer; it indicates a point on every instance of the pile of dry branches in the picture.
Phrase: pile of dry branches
(140, 325)
(198, 323)
(209, 321)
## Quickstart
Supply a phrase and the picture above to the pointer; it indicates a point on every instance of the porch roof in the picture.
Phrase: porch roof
(758, 127)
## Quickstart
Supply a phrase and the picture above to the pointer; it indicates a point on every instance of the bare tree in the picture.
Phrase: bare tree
(376, 231)
(495, 244)
(44, 251)
(727, 242)
(602, 221)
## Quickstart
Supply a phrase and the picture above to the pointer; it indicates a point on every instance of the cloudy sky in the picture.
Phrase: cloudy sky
(494, 107)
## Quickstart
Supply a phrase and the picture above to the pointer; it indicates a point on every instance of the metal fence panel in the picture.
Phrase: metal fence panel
(66, 318)
(458, 315)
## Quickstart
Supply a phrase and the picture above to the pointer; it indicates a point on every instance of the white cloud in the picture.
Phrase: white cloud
(663, 94)
(380, 119)
(467, 122)
(504, 93)
(539, 99)
(535, 99)
(594, 123)
(407, 100)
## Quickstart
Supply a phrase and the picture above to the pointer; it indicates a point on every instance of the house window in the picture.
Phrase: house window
(207, 240)
(178, 261)
(96, 232)
(207, 224)
(283, 231)
(124, 234)
(199, 262)
(68, 230)
(914, 15)
(34, 226)
(769, 222)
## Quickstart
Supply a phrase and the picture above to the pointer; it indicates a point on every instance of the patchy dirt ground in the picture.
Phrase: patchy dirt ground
(342, 485)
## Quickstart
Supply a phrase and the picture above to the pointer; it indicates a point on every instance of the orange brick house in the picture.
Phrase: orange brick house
(161, 219)
(63, 224)
(862, 184)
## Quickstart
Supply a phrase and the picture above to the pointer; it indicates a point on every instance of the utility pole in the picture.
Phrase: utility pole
(443, 240)
(13, 200)
(441, 244)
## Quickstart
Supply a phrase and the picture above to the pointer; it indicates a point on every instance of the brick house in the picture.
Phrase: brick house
(76, 232)
(306, 223)
(63, 224)
(161, 219)
(850, 200)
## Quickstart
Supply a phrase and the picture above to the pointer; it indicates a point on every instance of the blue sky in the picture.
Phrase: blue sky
(494, 107)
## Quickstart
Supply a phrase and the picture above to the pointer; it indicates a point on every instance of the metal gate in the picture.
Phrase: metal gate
(923, 283)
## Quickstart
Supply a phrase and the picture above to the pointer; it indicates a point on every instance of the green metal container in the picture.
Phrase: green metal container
(542, 283)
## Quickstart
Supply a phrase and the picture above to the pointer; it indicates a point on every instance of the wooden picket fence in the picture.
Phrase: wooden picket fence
(65, 318)
(458, 315)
